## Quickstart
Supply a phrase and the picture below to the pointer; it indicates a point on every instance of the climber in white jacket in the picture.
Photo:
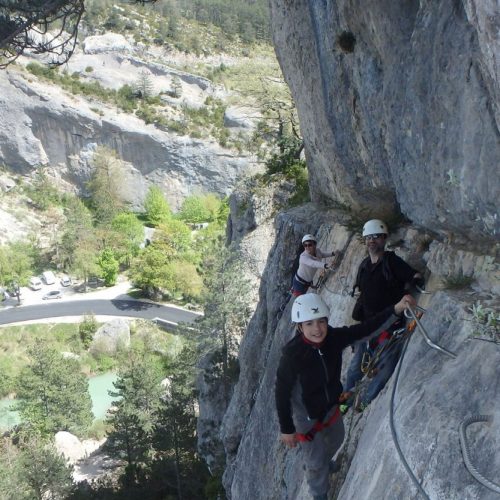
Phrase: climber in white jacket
(311, 259)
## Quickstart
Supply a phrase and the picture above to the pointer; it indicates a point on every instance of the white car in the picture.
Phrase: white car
(48, 277)
(53, 294)
(35, 283)
(66, 281)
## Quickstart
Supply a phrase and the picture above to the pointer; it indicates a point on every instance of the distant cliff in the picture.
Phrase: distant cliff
(398, 105)
(43, 125)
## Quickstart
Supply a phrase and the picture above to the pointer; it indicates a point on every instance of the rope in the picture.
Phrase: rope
(393, 430)
(466, 454)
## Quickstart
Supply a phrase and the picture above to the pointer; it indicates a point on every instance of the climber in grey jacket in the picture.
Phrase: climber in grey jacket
(308, 383)
(311, 259)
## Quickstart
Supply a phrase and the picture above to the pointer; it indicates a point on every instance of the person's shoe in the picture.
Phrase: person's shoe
(333, 466)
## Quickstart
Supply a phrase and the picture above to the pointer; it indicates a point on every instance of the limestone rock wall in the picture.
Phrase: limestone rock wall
(405, 112)
(398, 105)
(435, 393)
(40, 125)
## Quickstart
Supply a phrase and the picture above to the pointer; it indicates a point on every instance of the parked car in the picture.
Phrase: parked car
(48, 277)
(35, 283)
(53, 294)
(66, 281)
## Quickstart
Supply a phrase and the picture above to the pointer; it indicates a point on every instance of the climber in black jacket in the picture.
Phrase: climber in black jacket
(308, 383)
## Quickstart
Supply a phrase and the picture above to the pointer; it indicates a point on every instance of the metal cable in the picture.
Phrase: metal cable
(466, 454)
(393, 429)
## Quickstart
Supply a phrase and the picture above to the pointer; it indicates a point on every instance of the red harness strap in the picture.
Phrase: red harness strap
(318, 427)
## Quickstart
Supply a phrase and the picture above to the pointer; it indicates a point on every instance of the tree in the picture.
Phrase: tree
(27, 24)
(16, 263)
(104, 186)
(109, 266)
(174, 441)
(86, 329)
(128, 235)
(185, 279)
(176, 87)
(78, 227)
(151, 271)
(193, 209)
(226, 313)
(33, 469)
(85, 256)
(176, 235)
(156, 206)
(53, 393)
(144, 85)
(44, 471)
(138, 391)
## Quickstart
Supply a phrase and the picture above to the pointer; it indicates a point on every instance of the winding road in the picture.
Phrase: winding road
(113, 307)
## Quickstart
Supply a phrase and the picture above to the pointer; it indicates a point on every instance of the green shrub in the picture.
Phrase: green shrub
(457, 281)
(87, 329)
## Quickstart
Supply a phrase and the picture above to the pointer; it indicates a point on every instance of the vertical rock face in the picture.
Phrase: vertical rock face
(41, 125)
(434, 393)
(398, 103)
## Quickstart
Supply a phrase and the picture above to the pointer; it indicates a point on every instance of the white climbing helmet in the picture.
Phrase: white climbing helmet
(308, 237)
(308, 307)
(375, 226)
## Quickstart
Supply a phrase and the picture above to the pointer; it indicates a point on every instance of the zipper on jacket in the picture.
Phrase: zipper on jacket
(326, 375)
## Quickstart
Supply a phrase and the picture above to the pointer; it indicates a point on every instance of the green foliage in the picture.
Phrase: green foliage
(200, 208)
(156, 206)
(226, 313)
(53, 393)
(105, 199)
(128, 235)
(176, 235)
(109, 267)
(138, 391)
(185, 280)
(144, 85)
(17, 261)
(87, 328)
(33, 469)
(486, 321)
(150, 271)
(42, 192)
(458, 281)
(286, 162)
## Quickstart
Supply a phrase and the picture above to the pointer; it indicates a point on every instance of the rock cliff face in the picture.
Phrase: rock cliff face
(42, 125)
(398, 103)
(435, 393)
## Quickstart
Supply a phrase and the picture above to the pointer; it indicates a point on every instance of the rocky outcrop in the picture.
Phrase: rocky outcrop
(435, 393)
(41, 125)
(399, 106)
(111, 337)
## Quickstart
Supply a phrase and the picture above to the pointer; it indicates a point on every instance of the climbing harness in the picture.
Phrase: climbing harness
(318, 427)
(465, 451)
(325, 273)
(369, 362)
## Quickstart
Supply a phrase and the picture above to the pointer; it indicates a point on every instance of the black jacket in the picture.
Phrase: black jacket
(317, 369)
(383, 283)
